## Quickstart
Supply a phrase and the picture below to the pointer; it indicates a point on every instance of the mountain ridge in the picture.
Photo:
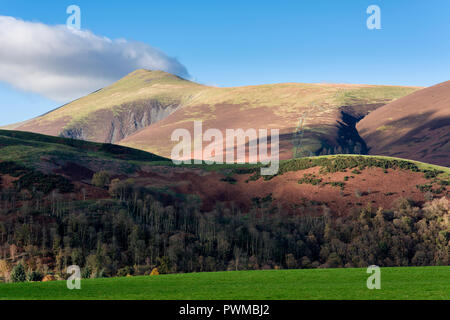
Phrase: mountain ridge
(142, 110)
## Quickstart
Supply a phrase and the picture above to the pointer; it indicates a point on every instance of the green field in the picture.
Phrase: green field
(348, 284)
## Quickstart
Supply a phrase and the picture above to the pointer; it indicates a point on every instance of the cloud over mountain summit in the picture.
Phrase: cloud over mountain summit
(63, 64)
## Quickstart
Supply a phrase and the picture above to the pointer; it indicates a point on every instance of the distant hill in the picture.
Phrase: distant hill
(414, 127)
(112, 113)
(142, 110)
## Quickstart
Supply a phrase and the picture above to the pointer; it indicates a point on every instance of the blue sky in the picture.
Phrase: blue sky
(246, 42)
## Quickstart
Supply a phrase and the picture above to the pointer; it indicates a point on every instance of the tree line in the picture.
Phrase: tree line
(139, 229)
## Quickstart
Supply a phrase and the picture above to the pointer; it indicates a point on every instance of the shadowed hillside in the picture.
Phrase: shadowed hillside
(47, 153)
(414, 127)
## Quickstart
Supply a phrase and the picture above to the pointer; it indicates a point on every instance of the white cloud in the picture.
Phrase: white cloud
(63, 64)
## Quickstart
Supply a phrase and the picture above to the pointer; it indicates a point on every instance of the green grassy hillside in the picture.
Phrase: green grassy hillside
(396, 283)
(38, 151)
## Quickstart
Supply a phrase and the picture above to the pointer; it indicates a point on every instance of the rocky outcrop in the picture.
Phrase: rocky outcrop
(111, 126)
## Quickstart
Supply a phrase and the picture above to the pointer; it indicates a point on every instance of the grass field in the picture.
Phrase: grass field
(327, 284)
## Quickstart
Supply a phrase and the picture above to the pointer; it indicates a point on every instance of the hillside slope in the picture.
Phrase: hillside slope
(313, 119)
(74, 158)
(144, 108)
(340, 183)
(414, 127)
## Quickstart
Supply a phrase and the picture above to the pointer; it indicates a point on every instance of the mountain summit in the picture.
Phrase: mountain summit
(108, 115)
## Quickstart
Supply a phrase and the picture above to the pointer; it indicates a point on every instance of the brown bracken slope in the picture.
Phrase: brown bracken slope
(414, 127)
(340, 183)
(313, 119)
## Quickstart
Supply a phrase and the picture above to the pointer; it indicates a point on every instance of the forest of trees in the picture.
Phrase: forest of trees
(137, 230)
